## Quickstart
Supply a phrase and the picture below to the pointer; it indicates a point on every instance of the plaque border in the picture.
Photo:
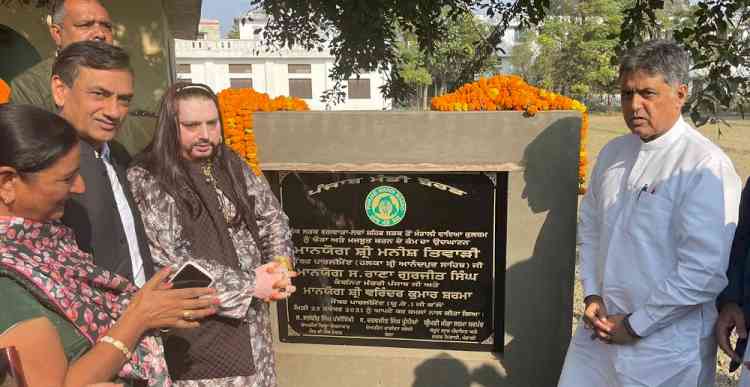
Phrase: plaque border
(500, 229)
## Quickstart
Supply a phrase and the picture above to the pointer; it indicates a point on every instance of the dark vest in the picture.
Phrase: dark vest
(221, 347)
(94, 217)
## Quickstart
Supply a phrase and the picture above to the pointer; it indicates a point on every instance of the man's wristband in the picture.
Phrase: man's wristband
(628, 327)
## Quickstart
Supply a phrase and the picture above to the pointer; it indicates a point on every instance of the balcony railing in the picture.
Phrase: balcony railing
(238, 48)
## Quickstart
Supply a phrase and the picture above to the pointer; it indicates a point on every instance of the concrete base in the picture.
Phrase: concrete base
(541, 154)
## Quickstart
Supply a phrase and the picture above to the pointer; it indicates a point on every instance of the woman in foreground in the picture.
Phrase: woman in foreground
(72, 323)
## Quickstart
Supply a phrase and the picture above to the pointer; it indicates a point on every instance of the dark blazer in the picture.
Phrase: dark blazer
(94, 217)
(738, 273)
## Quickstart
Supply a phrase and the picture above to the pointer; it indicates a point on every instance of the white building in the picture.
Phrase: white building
(209, 29)
(511, 38)
(245, 62)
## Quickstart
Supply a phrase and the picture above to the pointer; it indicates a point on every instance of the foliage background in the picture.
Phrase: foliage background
(572, 46)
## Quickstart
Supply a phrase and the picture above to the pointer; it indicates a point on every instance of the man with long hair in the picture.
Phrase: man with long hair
(201, 202)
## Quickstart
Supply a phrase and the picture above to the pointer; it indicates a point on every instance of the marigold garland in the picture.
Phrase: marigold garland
(237, 107)
(4, 92)
(510, 92)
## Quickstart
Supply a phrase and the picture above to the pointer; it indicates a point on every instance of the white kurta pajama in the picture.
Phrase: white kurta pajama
(656, 229)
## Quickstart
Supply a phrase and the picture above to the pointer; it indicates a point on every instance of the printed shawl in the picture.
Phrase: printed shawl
(45, 259)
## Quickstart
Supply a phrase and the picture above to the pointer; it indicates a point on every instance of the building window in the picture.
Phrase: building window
(300, 88)
(241, 83)
(299, 69)
(359, 88)
(201, 36)
(183, 68)
(243, 68)
(517, 34)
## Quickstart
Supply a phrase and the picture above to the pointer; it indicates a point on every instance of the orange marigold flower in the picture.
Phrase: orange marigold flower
(4, 92)
(511, 92)
(237, 107)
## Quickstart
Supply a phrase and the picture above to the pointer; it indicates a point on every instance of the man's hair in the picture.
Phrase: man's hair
(91, 54)
(58, 11)
(163, 158)
(658, 57)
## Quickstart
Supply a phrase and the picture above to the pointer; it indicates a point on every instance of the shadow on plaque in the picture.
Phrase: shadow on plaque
(534, 355)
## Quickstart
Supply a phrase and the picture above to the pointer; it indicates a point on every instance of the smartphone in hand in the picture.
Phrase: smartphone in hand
(11, 371)
(739, 349)
(191, 275)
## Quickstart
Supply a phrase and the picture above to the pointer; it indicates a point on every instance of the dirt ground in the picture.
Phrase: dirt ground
(734, 140)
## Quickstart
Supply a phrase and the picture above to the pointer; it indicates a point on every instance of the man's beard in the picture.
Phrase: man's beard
(200, 143)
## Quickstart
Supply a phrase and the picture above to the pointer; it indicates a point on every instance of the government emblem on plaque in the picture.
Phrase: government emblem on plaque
(385, 206)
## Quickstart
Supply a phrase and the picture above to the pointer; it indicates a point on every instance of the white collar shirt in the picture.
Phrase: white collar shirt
(656, 228)
(126, 217)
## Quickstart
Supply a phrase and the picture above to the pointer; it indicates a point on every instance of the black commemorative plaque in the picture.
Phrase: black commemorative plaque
(398, 259)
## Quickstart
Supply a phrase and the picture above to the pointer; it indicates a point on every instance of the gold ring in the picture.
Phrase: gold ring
(187, 315)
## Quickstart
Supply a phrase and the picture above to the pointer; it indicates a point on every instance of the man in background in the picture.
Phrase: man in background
(74, 21)
(71, 21)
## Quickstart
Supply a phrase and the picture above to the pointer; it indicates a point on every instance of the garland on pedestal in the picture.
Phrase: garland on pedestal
(510, 92)
(237, 107)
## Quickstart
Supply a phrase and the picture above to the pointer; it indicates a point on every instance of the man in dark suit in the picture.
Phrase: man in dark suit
(92, 84)
(734, 301)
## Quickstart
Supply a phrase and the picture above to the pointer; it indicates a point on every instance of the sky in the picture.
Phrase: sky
(225, 11)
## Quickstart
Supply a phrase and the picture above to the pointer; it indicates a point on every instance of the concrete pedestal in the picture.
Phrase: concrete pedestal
(541, 155)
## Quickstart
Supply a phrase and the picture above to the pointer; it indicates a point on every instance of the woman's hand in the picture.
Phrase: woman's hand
(156, 305)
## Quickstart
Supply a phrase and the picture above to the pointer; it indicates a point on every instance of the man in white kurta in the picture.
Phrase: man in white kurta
(655, 228)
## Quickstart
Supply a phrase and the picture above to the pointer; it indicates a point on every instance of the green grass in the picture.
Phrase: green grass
(734, 140)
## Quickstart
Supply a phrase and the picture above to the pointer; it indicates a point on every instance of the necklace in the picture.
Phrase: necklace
(208, 173)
